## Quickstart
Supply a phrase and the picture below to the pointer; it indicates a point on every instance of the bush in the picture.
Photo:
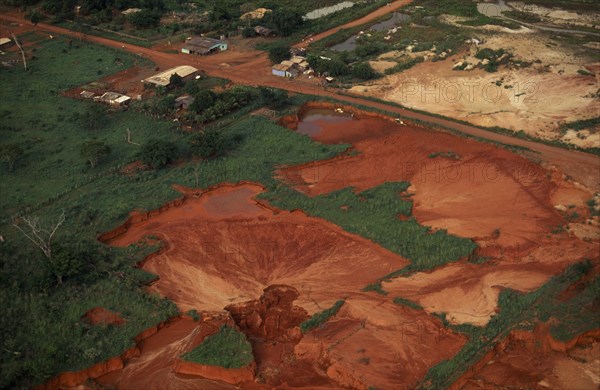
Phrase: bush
(363, 71)
(209, 143)
(157, 153)
(248, 32)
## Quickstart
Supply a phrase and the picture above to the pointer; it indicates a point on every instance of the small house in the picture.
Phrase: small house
(264, 31)
(203, 46)
(300, 63)
(183, 102)
(114, 99)
(6, 43)
(284, 70)
(87, 94)
(163, 79)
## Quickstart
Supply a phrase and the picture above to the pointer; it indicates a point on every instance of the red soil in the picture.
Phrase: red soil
(501, 200)
(226, 240)
(534, 360)
(101, 315)
(154, 368)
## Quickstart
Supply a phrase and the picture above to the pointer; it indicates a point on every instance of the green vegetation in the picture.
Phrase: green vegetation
(157, 153)
(228, 348)
(373, 214)
(279, 53)
(583, 124)
(594, 207)
(522, 16)
(321, 317)
(94, 152)
(572, 317)
(494, 58)
(363, 71)
(375, 287)
(407, 302)
(449, 154)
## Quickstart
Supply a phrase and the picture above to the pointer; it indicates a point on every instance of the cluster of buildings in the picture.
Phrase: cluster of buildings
(114, 99)
(291, 68)
(162, 79)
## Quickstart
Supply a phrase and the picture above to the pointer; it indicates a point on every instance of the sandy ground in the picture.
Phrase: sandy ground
(535, 99)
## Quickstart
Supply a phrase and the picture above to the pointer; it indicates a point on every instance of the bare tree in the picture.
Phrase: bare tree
(40, 235)
(128, 138)
(22, 51)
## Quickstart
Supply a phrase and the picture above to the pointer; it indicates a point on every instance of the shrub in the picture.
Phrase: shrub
(363, 71)
(94, 152)
(209, 143)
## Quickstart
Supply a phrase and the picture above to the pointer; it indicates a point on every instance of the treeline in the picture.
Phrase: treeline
(96, 11)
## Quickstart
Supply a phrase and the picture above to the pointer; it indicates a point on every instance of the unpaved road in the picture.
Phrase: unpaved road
(367, 18)
(252, 67)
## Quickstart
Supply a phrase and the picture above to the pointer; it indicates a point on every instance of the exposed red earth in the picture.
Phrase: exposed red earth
(504, 202)
(225, 239)
(222, 248)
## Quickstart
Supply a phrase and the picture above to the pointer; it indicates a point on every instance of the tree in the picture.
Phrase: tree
(164, 105)
(284, 21)
(145, 19)
(65, 263)
(273, 97)
(37, 233)
(209, 143)
(34, 18)
(94, 116)
(363, 71)
(247, 7)
(248, 32)
(203, 100)
(279, 53)
(176, 81)
(157, 153)
(10, 153)
(94, 152)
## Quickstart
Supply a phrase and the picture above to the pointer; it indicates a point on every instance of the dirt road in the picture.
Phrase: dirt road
(367, 18)
(252, 67)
